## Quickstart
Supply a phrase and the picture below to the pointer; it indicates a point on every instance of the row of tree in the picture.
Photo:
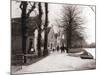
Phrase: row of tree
(25, 14)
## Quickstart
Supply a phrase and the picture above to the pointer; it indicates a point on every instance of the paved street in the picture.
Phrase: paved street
(58, 62)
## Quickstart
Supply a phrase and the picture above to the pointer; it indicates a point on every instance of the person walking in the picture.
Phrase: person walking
(57, 48)
(62, 48)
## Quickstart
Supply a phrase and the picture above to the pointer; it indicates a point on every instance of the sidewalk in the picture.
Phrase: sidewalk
(58, 62)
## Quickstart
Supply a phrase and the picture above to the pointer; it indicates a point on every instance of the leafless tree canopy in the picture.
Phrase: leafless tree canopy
(72, 23)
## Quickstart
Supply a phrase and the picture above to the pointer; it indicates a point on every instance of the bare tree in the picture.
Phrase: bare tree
(39, 29)
(24, 16)
(45, 52)
(72, 23)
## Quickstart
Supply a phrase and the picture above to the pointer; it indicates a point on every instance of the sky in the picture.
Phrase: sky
(55, 11)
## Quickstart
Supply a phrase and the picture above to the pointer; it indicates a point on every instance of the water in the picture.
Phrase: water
(91, 51)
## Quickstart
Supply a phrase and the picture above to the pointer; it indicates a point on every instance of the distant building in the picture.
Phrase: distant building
(52, 40)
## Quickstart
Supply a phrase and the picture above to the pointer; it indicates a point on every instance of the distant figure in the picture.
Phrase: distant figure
(62, 48)
(51, 45)
(53, 49)
(66, 49)
(57, 48)
(30, 45)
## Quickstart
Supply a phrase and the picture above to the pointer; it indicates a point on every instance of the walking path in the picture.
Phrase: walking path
(58, 62)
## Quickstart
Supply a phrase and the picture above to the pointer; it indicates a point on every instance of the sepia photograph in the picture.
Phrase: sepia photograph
(52, 37)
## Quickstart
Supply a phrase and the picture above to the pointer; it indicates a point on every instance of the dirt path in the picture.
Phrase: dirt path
(58, 62)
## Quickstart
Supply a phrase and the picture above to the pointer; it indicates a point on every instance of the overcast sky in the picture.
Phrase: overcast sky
(55, 11)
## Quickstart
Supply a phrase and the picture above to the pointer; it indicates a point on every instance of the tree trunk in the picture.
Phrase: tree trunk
(24, 28)
(68, 42)
(45, 52)
(39, 43)
(69, 35)
(39, 31)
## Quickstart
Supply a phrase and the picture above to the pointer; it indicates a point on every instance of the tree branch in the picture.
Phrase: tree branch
(32, 8)
(21, 5)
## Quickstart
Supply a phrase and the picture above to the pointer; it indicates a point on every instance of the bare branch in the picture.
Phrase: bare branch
(30, 3)
(31, 9)
(21, 6)
(23, 3)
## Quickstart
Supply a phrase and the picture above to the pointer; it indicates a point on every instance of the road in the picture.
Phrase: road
(58, 62)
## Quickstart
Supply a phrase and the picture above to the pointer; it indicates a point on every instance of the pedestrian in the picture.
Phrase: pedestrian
(53, 49)
(57, 48)
(66, 49)
(62, 48)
